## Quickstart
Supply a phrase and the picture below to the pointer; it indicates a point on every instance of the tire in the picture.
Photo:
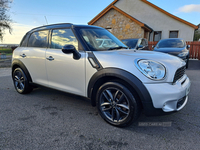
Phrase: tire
(21, 82)
(117, 105)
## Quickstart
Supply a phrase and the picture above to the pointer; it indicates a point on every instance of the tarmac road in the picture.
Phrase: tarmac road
(49, 119)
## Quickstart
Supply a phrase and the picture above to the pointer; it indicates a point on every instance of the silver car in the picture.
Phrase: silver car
(119, 81)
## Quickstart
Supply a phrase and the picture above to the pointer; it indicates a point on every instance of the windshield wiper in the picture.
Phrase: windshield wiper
(119, 47)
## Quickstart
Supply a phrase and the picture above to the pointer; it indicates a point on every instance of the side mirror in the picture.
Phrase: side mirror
(188, 46)
(68, 49)
(153, 46)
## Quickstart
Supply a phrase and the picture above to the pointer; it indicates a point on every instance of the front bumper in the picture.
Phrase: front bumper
(170, 97)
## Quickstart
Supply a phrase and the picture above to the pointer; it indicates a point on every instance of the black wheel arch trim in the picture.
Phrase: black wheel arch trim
(19, 63)
(122, 74)
(133, 81)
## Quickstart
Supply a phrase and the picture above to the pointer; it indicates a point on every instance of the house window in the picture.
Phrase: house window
(157, 35)
(173, 34)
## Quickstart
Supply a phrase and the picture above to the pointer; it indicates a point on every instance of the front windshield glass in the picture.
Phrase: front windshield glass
(171, 43)
(131, 43)
(100, 39)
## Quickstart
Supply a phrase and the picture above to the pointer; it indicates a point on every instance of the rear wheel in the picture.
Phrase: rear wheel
(117, 105)
(21, 82)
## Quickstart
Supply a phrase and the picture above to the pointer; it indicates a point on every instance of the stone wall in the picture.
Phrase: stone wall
(119, 25)
(155, 19)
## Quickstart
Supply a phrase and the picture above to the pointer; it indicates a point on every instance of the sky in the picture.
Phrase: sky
(28, 14)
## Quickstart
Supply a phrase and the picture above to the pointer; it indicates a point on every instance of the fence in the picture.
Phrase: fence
(194, 48)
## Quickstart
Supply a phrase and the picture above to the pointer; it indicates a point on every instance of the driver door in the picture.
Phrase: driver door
(65, 73)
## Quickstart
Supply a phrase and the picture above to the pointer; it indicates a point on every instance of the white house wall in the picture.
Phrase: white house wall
(155, 19)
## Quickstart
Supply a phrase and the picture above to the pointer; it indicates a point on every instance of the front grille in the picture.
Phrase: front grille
(179, 73)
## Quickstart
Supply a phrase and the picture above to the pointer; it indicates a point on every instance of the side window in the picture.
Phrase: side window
(24, 41)
(38, 39)
(62, 37)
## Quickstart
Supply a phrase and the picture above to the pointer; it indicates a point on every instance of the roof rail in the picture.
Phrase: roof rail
(52, 25)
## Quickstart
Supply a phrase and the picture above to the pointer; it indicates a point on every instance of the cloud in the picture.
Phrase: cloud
(190, 8)
(19, 30)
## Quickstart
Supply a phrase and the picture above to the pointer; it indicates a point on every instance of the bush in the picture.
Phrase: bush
(5, 50)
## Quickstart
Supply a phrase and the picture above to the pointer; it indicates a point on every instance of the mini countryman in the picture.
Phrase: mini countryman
(91, 62)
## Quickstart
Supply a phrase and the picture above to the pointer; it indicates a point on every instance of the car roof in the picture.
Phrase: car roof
(61, 25)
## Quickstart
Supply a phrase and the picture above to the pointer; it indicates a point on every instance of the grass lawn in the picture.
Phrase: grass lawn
(8, 54)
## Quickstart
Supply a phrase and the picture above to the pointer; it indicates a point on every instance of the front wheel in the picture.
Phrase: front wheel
(117, 105)
(21, 82)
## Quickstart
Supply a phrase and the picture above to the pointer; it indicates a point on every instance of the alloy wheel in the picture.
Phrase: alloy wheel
(114, 104)
(19, 81)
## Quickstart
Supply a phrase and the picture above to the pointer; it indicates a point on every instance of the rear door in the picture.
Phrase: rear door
(33, 56)
(64, 72)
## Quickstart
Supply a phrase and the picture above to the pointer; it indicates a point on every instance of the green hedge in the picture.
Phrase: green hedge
(5, 50)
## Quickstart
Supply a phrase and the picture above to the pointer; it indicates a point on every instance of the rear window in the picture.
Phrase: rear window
(38, 39)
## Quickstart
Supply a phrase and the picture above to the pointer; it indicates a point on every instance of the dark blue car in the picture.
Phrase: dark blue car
(174, 46)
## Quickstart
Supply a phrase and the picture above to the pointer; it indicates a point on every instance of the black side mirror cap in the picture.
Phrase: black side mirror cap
(68, 49)
(188, 46)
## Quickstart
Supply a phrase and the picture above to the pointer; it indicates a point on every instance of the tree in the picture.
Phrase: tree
(197, 34)
(5, 21)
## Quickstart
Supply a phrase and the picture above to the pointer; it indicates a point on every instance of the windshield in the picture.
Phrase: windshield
(178, 43)
(100, 39)
(131, 43)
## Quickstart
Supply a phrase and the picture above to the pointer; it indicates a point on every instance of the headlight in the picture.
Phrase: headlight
(151, 69)
(183, 54)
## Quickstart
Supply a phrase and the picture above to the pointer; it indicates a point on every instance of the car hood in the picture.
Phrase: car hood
(124, 59)
(125, 55)
(167, 50)
(172, 51)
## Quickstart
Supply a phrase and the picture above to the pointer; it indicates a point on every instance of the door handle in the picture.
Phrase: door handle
(23, 55)
(50, 58)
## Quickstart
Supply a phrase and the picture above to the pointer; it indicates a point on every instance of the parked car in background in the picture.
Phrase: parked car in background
(119, 81)
(138, 44)
(174, 46)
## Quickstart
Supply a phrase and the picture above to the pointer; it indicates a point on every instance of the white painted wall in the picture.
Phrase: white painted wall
(155, 19)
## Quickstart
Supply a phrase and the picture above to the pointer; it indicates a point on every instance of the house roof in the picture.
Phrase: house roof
(140, 23)
(170, 15)
(102, 13)
(122, 12)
